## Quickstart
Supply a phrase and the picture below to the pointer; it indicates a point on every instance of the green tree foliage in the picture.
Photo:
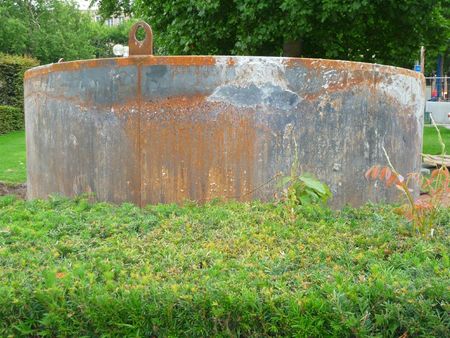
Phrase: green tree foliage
(383, 31)
(46, 29)
(53, 29)
(104, 37)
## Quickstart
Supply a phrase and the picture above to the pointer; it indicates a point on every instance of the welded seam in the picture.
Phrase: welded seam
(139, 107)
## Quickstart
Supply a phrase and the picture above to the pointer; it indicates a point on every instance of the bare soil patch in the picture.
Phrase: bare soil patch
(19, 190)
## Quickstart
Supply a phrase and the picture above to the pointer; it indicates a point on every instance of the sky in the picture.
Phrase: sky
(84, 4)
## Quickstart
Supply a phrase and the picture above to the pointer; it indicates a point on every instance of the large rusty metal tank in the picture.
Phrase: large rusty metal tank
(151, 129)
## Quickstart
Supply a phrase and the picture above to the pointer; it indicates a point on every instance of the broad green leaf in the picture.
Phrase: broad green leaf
(313, 183)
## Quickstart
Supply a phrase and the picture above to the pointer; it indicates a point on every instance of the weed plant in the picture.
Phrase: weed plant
(420, 212)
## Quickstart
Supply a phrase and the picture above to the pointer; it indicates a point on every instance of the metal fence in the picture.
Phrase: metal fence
(437, 88)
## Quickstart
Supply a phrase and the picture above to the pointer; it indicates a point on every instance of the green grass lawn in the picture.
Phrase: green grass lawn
(70, 268)
(12, 157)
(431, 143)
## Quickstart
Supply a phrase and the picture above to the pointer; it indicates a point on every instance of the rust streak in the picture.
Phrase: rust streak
(139, 118)
(189, 155)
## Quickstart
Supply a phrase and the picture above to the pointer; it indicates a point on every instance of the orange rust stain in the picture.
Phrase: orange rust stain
(187, 154)
(131, 124)
(326, 64)
(62, 67)
(350, 66)
(149, 60)
(139, 118)
(344, 81)
(211, 60)
(181, 60)
(231, 61)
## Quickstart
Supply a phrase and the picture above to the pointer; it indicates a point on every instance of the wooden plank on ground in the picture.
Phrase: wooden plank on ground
(436, 160)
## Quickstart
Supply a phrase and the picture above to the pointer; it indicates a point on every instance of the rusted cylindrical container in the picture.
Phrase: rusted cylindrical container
(150, 129)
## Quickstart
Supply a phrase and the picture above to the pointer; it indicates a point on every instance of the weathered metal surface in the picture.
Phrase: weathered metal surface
(165, 129)
(137, 47)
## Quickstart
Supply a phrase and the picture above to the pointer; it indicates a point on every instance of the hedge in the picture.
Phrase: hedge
(71, 268)
(12, 69)
(11, 119)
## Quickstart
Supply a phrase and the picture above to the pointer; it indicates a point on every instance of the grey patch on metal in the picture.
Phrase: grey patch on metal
(252, 95)
(160, 81)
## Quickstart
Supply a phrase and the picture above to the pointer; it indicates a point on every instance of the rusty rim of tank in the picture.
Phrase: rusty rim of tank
(141, 53)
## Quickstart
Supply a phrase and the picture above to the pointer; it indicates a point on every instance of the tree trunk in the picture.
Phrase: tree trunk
(292, 48)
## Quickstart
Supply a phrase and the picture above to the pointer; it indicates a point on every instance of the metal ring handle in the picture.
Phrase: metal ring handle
(144, 47)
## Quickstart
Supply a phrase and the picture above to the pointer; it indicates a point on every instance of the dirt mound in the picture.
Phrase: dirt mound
(19, 190)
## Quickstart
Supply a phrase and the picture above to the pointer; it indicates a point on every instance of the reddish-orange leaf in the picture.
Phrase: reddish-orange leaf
(388, 174)
(383, 173)
(367, 174)
(392, 180)
(446, 173)
(375, 172)
(60, 275)
(426, 183)
(434, 173)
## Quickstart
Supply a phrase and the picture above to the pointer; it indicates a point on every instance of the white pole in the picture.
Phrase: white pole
(445, 87)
